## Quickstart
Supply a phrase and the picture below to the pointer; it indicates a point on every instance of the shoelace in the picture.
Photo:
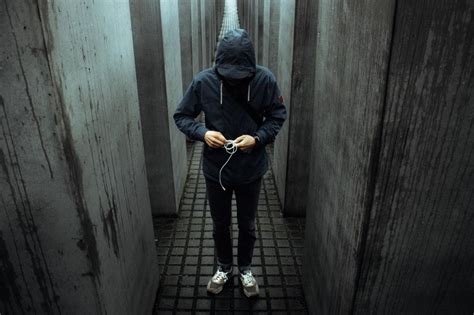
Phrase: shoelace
(220, 275)
(248, 278)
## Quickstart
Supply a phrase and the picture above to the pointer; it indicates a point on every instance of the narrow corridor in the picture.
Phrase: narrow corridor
(186, 252)
(100, 214)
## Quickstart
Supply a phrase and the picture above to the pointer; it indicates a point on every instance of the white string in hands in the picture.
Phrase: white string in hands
(230, 147)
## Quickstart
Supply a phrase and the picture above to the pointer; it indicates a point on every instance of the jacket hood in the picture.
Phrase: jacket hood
(235, 57)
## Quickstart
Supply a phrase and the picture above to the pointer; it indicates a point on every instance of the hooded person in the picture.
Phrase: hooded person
(244, 112)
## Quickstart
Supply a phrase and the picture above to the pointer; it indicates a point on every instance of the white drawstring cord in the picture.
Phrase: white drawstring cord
(221, 92)
(230, 145)
(230, 148)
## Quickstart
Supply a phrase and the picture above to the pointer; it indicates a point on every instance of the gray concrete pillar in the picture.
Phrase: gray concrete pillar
(204, 35)
(209, 30)
(248, 15)
(285, 68)
(174, 92)
(75, 219)
(159, 77)
(348, 105)
(266, 32)
(240, 10)
(212, 31)
(254, 28)
(389, 222)
(274, 32)
(220, 14)
(196, 36)
(260, 31)
(186, 33)
(300, 120)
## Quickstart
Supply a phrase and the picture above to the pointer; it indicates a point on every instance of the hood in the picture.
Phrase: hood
(235, 57)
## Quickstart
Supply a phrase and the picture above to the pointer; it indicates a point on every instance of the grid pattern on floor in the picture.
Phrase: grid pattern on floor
(187, 258)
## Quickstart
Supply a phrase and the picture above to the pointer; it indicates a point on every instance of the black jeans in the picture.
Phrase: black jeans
(220, 203)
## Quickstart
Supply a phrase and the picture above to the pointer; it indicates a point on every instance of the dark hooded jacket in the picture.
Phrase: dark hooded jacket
(237, 97)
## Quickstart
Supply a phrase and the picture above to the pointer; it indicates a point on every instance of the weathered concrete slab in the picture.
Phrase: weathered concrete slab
(300, 123)
(174, 93)
(254, 35)
(419, 253)
(185, 34)
(196, 36)
(390, 199)
(274, 37)
(350, 73)
(285, 68)
(159, 77)
(260, 14)
(75, 220)
(266, 32)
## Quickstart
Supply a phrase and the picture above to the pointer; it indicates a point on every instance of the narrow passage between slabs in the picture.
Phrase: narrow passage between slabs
(186, 252)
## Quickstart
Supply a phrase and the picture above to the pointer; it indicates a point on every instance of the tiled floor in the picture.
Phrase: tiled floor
(186, 255)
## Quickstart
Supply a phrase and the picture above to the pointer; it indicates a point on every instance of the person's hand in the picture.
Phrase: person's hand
(245, 143)
(214, 139)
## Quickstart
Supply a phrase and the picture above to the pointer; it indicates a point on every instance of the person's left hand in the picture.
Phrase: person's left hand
(245, 143)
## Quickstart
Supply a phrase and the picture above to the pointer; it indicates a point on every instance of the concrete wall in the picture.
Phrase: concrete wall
(273, 36)
(389, 225)
(159, 78)
(285, 68)
(196, 36)
(204, 36)
(174, 92)
(254, 29)
(246, 17)
(219, 11)
(207, 15)
(300, 123)
(420, 237)
(75, 229)
(211, 31)
(240, 12)
(266, 32)
(260, 30)
(349, 96)
(185, 34)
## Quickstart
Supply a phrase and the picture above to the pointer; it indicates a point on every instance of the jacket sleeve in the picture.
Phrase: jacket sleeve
(274, 113)
(188, 109)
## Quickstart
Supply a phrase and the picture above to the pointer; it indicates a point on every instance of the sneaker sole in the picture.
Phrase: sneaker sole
(251, 294)
(214, 291)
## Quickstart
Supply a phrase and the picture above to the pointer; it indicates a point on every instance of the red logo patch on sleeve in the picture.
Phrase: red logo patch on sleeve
(280, 98)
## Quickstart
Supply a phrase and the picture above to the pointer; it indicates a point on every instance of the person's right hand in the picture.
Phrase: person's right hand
(214, 139)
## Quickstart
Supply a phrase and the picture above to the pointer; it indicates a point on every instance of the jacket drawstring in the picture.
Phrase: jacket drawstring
(221, 92)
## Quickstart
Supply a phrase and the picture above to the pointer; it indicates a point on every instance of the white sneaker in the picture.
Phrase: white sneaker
(216, 284)
(249, 284)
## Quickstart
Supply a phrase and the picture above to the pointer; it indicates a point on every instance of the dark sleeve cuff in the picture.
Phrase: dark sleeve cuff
(258, 139)
(200, 132)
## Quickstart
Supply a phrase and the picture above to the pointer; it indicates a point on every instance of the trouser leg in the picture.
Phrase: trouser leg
(220, 204)
(247, 202)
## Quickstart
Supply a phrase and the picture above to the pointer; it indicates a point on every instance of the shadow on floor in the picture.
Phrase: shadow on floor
(186, 255)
